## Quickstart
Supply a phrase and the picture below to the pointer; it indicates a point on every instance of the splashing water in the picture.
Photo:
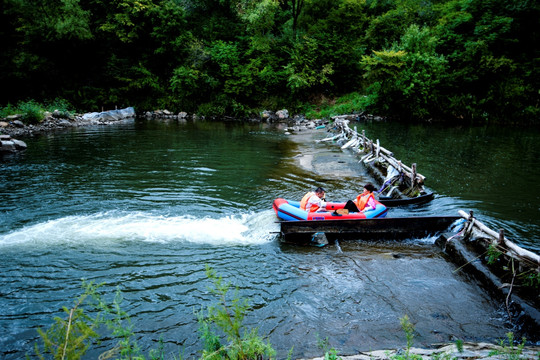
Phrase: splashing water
(103, 228)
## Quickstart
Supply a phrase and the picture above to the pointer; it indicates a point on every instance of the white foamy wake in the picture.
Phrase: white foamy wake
(254, 228)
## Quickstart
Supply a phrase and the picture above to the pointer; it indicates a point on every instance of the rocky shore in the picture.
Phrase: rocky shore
(12, 128)
(466, 351)
(15, 127)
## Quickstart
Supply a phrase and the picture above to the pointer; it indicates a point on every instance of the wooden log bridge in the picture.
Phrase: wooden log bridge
(412, 182)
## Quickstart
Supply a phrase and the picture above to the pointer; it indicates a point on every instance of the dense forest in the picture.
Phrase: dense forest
(473, 60)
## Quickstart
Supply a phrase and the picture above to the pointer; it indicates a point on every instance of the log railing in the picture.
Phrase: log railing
(475, 228)
(373, 151)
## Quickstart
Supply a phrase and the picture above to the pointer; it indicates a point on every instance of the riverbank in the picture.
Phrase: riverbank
(15, 127)
(465, 351)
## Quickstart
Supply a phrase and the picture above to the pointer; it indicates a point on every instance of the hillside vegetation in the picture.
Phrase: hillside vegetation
(471, 60)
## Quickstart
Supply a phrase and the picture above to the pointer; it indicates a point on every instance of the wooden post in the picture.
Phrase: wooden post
(364, 137)
(413, 182)
(378, 150)
(501, 238)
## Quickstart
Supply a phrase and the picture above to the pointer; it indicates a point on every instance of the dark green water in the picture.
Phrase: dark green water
(493, 169)
(144, 206)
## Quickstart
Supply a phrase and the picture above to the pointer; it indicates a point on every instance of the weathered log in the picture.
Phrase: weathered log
(378, 151)
(524, 253)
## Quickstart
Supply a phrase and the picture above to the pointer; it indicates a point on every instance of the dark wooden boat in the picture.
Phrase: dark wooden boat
(303, 232)
(421, 199)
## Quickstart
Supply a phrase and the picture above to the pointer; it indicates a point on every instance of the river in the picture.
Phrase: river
(144, 206)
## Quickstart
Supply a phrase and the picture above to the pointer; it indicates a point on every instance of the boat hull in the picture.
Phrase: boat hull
(367, 229)
(391, 202)
(289, 210)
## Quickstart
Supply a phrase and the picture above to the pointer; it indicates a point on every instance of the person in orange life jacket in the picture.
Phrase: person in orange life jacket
(314, 201)
(364, 202)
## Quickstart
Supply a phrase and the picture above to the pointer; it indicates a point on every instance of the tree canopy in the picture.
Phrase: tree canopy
(473, 60)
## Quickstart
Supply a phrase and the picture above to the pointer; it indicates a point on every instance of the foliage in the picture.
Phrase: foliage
(459, 345)
(408, 328)
(302, 71)
(452, 59)
(493, 254)
(509, 351)
(408, 75)
(326, 108)
(70, 337)
(33, 112)
(329, 353)
(227, 316)
(529, 276)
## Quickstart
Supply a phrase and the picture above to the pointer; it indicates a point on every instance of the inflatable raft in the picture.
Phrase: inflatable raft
(289, 210)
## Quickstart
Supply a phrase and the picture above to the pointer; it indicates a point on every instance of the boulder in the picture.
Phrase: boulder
(14, 117)
(7, 146)
(282, 114)
(111, 115)
(19, 144)
(267, 114)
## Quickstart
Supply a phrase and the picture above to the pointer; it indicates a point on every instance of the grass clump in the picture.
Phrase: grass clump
(329, 353)
(33, 112)
(408, 328)
(510, 351)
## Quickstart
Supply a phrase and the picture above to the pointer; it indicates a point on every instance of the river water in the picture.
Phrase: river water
(144, 206)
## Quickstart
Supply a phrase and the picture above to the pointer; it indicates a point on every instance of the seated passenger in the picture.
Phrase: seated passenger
(314, 201)
(364, 202)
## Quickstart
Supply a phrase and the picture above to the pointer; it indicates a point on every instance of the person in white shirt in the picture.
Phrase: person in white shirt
(314, 201)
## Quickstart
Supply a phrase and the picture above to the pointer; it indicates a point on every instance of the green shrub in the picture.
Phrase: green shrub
(7, 110)
(227, 316)
(408, 328)
(32, 111)
(72, 335)
(329, 353)
(347, 104)
(62, 106)
(510, 352)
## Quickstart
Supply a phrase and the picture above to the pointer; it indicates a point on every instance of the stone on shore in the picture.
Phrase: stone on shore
(9, 145)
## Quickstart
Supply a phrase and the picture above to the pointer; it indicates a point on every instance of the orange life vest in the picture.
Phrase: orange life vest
(304, 201)
(362, 200)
